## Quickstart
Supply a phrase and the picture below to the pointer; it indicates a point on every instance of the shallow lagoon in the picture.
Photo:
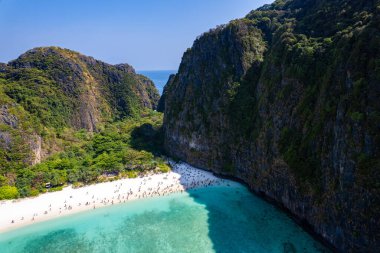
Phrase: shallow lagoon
(212, 219)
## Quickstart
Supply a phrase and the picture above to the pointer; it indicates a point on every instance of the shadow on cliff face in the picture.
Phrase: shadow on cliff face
(148, 138)
(238, 221)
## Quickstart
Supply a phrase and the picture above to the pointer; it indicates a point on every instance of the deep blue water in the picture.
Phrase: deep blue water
(159, 77)
(215, 219)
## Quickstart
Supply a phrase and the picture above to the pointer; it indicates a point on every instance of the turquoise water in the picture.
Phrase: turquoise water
(159, 77)
(214, 219)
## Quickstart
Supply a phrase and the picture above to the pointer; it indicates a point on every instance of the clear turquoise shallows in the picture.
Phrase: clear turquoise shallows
(212, 219)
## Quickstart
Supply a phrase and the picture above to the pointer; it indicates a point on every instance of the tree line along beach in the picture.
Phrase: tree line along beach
(23, 212)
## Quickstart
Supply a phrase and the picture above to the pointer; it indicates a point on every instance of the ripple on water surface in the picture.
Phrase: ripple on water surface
(214, 219)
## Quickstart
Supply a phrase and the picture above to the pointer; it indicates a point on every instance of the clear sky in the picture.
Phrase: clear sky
(148, 34)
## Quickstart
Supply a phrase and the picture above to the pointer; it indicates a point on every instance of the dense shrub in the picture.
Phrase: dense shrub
(124, 148)
(8, 192)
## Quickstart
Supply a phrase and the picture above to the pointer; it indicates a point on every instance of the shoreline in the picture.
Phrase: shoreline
(182, 177)
(24, 212)
(299, 221)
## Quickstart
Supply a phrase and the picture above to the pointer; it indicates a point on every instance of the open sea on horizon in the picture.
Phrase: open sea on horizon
(159, 77)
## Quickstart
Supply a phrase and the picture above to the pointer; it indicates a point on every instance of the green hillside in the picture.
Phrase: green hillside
(59, 107)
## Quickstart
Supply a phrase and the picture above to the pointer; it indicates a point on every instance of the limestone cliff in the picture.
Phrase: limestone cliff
(94, 91)
(161, 102)
(48, 91)
(287, 100)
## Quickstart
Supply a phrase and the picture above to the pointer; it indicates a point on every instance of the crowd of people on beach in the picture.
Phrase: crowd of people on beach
(182, 178)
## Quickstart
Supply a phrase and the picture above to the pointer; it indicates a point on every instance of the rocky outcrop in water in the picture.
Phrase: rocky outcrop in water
(287, 100)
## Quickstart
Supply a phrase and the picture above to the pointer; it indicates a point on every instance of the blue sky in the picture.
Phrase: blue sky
(149, 34)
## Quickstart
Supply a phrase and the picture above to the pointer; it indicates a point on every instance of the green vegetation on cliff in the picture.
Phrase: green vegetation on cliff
(68, 118)
(287, 99)
(116, 150)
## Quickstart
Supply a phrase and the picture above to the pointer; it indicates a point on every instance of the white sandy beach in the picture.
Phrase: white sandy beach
(18, 213)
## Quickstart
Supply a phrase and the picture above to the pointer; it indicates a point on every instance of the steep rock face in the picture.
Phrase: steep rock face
(148, 92)
(49, 90)
(161, 102)
(287, 100)
(93, 90)
(3, 66)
